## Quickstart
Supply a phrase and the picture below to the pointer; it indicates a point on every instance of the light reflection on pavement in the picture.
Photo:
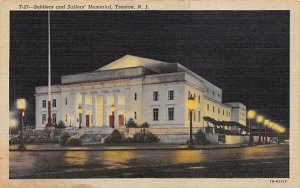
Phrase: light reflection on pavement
(34, 162)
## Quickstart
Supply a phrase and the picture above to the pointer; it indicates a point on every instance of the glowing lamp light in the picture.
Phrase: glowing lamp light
(191, 103)
(21, 104)
(266, 122)
(259, 119)
(79, 109)
(251, 114)
(113, 108)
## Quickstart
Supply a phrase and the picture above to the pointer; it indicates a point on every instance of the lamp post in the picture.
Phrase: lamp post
(191, 107)
(113, 108)
(251, 116)
(80, 116)
(266, 123)
(21, 104)
(259, 120)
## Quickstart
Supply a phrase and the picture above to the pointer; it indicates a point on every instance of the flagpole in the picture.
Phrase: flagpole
(49, 124)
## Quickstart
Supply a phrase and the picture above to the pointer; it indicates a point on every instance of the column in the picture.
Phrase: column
(105, 109)
(127, 104)
(74, 110)
(83, 105)
(116, 120)
(94, 103)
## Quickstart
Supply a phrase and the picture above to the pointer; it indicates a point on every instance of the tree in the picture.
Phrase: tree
(131, 123)
(61, 125)
(114, 137)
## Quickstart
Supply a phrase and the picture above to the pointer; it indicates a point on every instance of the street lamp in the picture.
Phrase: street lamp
(191, 107)
(266, 123)
(80, 116)
(259, 120)
(251, 115)
(21, 104)
(113, 109)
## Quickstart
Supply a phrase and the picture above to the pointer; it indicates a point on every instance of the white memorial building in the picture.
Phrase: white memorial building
(146, 90)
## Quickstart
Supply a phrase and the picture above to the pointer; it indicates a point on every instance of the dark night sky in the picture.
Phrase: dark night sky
(245, 53)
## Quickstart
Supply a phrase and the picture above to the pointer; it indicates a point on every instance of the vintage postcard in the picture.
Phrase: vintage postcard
(150, 93)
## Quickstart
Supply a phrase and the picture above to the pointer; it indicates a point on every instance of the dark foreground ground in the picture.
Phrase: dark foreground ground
(267, 161)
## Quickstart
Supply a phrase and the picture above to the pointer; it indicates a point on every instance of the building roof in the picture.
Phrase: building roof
(129, 61)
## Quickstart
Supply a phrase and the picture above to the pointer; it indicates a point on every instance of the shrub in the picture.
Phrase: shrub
(144, 125)
(150, 138)
(114, 137)
(200, 138)
(32, 139)
(63, 138)
(142, 137)
(72, 141)
(131, 123)
(61, 125)
(128, 140)
(139, 137)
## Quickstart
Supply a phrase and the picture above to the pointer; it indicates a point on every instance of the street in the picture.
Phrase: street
(265, 161)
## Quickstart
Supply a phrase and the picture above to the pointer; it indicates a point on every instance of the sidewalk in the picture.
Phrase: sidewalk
(57, 147)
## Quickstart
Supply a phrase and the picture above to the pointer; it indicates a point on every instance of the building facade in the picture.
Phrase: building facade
(133, 87)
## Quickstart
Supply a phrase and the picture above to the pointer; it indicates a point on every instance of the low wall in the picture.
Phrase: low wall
(174, 139)
(212, 138)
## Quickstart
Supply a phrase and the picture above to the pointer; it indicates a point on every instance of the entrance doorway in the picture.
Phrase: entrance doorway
(87, 120)
(121, 121)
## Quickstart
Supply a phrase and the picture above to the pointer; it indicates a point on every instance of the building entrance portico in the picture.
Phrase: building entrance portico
(97, 108)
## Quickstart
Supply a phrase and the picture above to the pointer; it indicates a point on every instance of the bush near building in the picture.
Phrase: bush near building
(60, 125)
(143, 137)
(114, 137)
(131, 123)
(63, 139)
(200, 138)
(72, 141)
(144, 125)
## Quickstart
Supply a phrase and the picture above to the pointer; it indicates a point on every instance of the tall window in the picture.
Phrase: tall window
(44, 103)
(155, 114)
(171, 95)
(43, 118)
(199, 99)
(135, 96)
(66, 118)
(134, 115)
(155, 95)
(223, 112)
(213, 109)
(54, 118)
(198, 116)
(66, 101)
(218, 110)
(207, 107)
(171, 113)
(54, 103)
